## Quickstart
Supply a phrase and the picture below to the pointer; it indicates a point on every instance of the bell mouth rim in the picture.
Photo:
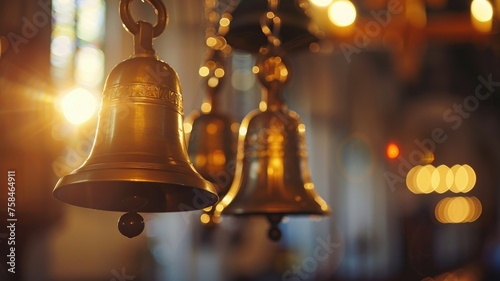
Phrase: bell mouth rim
(164, 191)
(278, 212)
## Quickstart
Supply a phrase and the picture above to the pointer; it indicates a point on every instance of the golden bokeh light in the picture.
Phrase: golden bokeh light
(204, 71)
(428, 157)
(235, 127)
(206, 107)
(481, 15)
(188, 127)
(461, 178)
(426, 179)
(78, 106)
(219, 72)
(321, 3)
(211, 128)
(445, 179)
(410, 179)
(481, 10)
(213, 82)
(224, 22)
(342, 13)
(283, 72)
(439, 212)
(211, 41)
(435, 179)
(458, 210)
(262, 106)
(423, 179)
(210, 64)
(472, 178)
(204, 218)
(472, 209)
(478, 208)
(218, 158)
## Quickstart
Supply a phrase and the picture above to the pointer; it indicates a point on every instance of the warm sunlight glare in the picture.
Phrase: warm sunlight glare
(321, 3)
(481, 10)
(78, 106)
(342, 13)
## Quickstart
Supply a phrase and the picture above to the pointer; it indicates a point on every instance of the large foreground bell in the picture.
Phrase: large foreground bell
(139, 161)
(272, 175)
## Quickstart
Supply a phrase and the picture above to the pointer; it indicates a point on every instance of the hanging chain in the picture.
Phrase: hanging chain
(272, 68)
(270, 24)
(218, 15)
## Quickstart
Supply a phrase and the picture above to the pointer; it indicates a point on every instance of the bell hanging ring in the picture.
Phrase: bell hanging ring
(139, 161)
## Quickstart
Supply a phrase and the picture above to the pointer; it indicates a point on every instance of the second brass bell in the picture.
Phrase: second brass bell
(272, 176)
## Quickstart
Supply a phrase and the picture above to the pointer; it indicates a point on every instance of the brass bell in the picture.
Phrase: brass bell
(298, 31)
(139, 161)
(211, 134)
(272, 176)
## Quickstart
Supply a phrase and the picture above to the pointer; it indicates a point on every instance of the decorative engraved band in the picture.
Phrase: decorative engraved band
(144, 91)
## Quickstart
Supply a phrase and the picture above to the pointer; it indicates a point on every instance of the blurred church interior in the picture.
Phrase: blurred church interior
(404, 92)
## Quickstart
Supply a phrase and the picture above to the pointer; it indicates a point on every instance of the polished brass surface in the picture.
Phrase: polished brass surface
(272, 174)
(212, 137)
(211, 148)
(139, 160)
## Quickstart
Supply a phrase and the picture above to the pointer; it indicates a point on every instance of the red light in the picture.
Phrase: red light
(392, 151)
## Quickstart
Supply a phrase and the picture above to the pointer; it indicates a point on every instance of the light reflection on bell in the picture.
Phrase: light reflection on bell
(139, 162)
(212, 135)
(272, 175)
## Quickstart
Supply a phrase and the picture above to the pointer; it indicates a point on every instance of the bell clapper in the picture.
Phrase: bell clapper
(131, 224)
(274, 231)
